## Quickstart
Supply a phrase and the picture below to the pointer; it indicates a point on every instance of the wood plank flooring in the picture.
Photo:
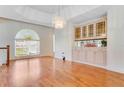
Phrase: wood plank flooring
(50, 72)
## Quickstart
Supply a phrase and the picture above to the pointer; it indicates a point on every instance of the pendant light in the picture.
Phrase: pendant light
(58, 21)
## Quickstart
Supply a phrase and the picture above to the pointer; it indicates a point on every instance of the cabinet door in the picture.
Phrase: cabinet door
(84, 31)
(90, 56)
(77, 33)
(76, 55)
(83, 55)
(90, 30)
(100, 58)
(101, 28)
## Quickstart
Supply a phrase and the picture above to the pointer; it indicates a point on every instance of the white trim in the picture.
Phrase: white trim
(104, 67)
(29, 57)
(115, 70)
(89, 64)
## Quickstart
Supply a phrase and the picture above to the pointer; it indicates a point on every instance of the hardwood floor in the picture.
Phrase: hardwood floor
(47, 71)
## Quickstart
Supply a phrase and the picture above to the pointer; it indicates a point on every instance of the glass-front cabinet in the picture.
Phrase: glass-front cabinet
(100, 28)
(77, 33)
(91, 30)
(92, 34)
(90, 42)
(84, 31)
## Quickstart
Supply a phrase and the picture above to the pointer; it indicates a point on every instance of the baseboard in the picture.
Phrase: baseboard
(83, 63)
(104, 67)
(115, 70)
(31, 57)
(90, 64)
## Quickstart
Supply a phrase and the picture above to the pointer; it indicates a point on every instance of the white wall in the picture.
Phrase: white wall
(63, 41)
(115, 50)
(9, 28)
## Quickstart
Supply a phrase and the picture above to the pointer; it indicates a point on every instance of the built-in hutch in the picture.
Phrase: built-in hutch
(92, 30)
(90, 42)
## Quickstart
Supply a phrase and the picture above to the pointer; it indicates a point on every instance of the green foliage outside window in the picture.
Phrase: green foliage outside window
(28, 37)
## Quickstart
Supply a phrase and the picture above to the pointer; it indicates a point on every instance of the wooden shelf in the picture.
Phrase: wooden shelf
(91, 38)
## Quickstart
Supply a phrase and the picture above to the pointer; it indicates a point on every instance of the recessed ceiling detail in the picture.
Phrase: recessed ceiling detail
(43, 14)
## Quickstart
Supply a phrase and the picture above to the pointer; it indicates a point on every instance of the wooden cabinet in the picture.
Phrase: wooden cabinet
(78, 33)
(89, 37)
(100, 28)
(84, 31)
(91, 30)
(76, 55)
(90, 55)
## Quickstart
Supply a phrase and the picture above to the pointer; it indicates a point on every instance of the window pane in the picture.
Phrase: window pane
(25, 47)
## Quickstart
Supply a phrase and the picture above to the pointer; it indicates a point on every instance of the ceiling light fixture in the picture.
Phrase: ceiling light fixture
(58, 21)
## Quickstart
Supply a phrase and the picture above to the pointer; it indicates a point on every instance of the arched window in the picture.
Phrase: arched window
(27, 43)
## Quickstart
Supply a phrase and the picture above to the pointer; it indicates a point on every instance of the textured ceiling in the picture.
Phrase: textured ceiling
(44, 14)
(51, 9)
